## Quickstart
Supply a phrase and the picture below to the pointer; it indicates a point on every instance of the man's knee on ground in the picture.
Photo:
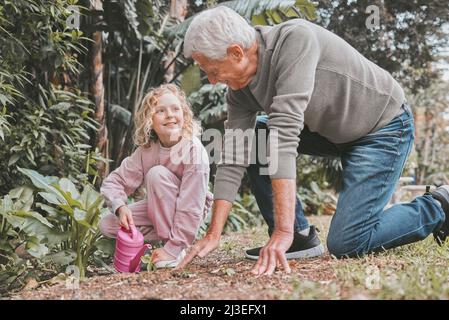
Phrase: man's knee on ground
(338, 248)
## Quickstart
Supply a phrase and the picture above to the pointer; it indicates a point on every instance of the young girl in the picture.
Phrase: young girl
(177, 196)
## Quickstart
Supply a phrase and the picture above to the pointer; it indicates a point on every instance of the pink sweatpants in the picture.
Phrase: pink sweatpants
(154, 215)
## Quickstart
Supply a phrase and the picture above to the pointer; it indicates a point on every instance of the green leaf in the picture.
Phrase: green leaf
(54, 237)
(51, 198)
(79, 214)
(258, 20)
(307, 8)
(191, 79)
(35, 248)
(89, 196)
(14, 158)
(80, 217)
(24, 196)
(30, 225)
(146, 259)
(6, 246)
(62, 258)
(68, 198)
(106, 246)
(41, 182)
(16, 192)
(52, 212)
(67, 208)
(7, 204)
(35, 215)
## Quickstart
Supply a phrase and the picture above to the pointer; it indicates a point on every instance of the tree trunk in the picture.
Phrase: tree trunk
(178, 11)
(97, 91)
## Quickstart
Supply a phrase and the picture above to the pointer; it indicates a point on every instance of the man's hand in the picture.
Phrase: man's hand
(200, 249)
(211, 240)
(272, 255)
(125, 216)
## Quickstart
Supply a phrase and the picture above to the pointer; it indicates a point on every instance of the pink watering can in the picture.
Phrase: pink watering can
(129, 248)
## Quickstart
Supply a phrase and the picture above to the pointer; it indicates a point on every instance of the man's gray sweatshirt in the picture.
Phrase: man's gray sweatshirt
(309, 76)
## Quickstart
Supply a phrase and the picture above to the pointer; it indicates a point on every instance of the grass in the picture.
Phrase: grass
(416, 271)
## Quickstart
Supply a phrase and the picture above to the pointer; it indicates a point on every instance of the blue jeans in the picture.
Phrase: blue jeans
(372, 166)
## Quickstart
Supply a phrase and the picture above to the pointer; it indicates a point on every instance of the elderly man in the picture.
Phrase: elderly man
(321, 97)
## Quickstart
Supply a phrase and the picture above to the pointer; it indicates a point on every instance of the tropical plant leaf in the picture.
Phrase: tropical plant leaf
(63, 258)
(51, 198)
(106, 246)
(68, 186)
(36, 248)
(35, 215)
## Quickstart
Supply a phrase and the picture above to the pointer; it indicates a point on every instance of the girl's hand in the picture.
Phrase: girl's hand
(125, 216)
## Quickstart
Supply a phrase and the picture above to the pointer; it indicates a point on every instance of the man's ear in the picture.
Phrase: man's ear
(235, 52)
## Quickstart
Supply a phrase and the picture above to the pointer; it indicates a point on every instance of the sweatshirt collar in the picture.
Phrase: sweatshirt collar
(261, 47)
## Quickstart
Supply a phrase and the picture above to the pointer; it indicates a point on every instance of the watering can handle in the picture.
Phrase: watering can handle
(133, 231)
(136, 260)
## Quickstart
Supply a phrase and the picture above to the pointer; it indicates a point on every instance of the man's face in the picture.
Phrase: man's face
(229, 71)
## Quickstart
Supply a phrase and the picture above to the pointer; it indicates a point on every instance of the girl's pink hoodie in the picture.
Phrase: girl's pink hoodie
(189, 161)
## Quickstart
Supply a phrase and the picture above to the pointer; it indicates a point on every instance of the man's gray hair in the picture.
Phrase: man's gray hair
(214, 30)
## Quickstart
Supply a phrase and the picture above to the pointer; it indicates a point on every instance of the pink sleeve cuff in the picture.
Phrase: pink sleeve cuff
(115, 204)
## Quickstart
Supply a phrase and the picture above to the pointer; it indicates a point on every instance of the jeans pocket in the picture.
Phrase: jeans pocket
(385, 133)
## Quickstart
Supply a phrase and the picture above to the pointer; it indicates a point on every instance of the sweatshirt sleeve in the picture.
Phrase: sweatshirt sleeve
(234, 158)
(123, 181)
(189, 205)
(295, 66)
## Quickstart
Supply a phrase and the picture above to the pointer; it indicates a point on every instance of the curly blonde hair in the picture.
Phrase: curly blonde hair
(143, 119)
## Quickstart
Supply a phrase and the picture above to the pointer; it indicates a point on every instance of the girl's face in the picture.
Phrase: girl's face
(168, 119)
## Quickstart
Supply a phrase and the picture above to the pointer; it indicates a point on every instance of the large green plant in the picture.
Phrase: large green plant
(21, 229)
(74, 215)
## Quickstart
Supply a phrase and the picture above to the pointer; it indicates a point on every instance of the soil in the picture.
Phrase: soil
(223, 274)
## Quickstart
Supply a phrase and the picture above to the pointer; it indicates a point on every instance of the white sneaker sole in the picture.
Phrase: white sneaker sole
(166, 264)
(309, 253)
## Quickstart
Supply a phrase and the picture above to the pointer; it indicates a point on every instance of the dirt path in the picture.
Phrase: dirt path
(224, 274)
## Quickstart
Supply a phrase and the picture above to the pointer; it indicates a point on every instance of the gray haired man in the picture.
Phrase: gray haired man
(323, 98)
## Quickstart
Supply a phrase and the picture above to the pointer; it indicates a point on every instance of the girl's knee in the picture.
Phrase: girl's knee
(158, 173)
(109, 225)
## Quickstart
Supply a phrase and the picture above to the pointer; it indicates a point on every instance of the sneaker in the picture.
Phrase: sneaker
(442, 195)
(302, 247)
(170, 263)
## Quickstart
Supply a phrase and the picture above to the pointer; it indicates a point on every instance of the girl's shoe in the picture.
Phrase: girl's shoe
(171, 263)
